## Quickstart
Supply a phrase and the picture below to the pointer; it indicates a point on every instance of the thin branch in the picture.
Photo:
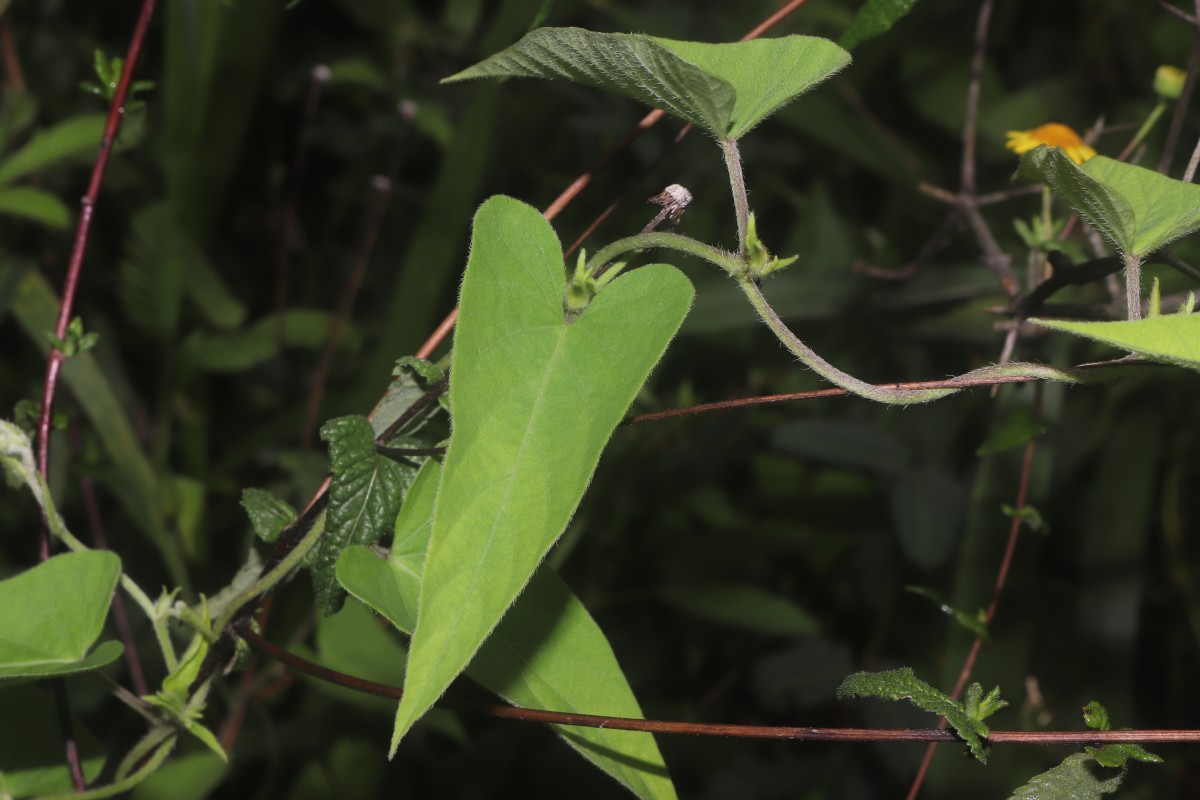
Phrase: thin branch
(13, 75)
(1181, 105)
(708, 729)
(1178, 12)
(382, 188)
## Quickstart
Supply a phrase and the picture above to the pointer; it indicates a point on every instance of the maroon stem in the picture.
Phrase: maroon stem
(719, 729)
(54, 364)
(87, 207)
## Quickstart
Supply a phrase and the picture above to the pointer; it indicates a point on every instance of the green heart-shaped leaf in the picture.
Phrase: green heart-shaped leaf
(1174, 339)
(51, 615)
(533, 400)
(1138, 209)
(546, 653)
(725, 88)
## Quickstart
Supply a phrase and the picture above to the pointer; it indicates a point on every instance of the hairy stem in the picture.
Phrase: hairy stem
(1133, 286)
(737, 184)
(671, 241)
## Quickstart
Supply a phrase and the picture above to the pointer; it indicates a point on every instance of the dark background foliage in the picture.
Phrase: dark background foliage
(833, 505)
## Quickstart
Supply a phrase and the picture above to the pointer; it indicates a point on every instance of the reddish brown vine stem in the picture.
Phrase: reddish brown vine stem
(116, 112)
(54, 364)
(579, 184)
(719, 729)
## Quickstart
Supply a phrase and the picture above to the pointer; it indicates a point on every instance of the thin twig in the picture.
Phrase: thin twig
(729, 730)
(1010, 548)
(382, 189)
(13, 75)
(1181, 105)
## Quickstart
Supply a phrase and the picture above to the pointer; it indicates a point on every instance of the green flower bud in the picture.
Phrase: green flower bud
(1168, 82)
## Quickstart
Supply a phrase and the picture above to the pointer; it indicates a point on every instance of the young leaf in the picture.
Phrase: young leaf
(1070, 780)
(1174, 338)
(875, 18)
(972, 622)
(533, 400)
(901, 684)
(980, 706)
(547, 652)
(364, 496)
(51, 614)
(726, 89)
(1095, 716)
(1138, 209)
(268, 514)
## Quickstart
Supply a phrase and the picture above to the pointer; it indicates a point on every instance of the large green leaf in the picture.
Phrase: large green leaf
(1174, 338)
(1138, 209)
(51, 615)
(725, 88)
(533, 400)
(74, 137)
(547, 652)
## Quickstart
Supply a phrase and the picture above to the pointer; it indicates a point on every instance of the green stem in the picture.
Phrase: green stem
(737, 184)
(884, 394)
(1133, 286)
(159, 751)
(670, 241)
(281, 570)
(1146, 127)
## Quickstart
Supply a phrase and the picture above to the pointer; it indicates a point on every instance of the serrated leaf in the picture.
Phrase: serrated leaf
(1174, 338)
(875, 18)
(34, 204)
(533, 400)
(52, 614)
(745, 607)
(902, 684)
(546, 653)
(268, 514)
(1116, 755)
(980, 706)
(1095, 716)
(1070, 780)
(364, 496)
(1138, 209)
(74, 137)
(726, 88)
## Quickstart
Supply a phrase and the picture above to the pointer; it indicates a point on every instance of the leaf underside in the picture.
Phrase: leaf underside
(1174, 339)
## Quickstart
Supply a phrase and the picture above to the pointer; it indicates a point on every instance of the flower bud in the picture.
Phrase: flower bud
(1168, 82)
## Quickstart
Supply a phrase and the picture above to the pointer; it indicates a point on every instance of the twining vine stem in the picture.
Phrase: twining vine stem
(720, 729)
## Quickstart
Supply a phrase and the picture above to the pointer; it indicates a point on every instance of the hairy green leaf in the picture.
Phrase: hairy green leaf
(726, 89)
(268, 514)
(546, 653)
(1095, 716)
(1070, 780)
(533, 401)
(1174, 338)
(52, 614)
(364, 496)
(35, 204)
(74, 137)
(902, 684)
(875, 18)
(745, 607)
(1138, 209)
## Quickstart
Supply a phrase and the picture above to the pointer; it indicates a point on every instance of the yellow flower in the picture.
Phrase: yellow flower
(1053, 134)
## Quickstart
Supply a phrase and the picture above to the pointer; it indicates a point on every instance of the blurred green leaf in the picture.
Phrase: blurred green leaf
(268, 514)
(75, 137)
(972, 622)
(745, 607)
(927, 505)
(1019, 427)
(875, 18)
(31, 755)
(34, 204)
(846, 443)
(189, 777)
(236, 351)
